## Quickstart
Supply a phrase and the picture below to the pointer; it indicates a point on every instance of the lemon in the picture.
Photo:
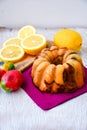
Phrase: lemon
(11, 53)
(14, 40)
(34, 44)
(8, 66)
(68, 38)
(26, 31)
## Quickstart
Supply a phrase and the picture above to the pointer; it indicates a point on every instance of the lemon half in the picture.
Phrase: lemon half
(13, 40)
(11, 53)
(34, 44)
(26, 31)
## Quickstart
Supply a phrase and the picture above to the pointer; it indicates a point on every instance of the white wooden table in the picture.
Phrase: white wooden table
(19, 112)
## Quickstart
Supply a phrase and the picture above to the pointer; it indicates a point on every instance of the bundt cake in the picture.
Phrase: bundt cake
(58, 70)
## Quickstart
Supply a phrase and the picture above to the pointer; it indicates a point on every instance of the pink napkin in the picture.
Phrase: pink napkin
(47, 101)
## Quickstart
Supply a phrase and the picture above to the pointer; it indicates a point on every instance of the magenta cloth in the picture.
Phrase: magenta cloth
(47, 101)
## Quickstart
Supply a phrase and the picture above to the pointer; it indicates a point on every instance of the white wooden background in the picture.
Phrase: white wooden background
(43, 13)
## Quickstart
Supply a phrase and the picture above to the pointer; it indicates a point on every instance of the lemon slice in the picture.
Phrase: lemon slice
(26, 31)
(34, 44)
(11, 53)
(14, 40)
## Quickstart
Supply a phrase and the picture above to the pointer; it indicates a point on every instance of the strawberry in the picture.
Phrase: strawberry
(11, 80)
(2, 72)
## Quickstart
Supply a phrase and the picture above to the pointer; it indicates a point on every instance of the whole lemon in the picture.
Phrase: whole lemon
(68, 38)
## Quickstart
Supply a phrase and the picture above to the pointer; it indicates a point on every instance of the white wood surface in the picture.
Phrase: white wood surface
(19, 112)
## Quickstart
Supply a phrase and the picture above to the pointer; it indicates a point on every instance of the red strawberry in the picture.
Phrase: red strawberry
(2, 72)
(11, 80)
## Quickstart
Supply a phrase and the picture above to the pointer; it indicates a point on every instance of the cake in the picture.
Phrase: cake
(58, 70)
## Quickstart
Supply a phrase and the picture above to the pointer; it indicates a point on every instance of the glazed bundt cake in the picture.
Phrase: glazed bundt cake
(58, 70)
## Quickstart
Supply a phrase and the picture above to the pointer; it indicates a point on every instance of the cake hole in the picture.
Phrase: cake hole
(58, 60)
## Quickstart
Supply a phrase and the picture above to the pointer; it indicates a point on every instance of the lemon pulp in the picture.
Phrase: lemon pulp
(11, 53)
(26, 31)
(34, 44)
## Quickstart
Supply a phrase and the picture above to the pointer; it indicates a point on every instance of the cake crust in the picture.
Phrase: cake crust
(58, 70)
